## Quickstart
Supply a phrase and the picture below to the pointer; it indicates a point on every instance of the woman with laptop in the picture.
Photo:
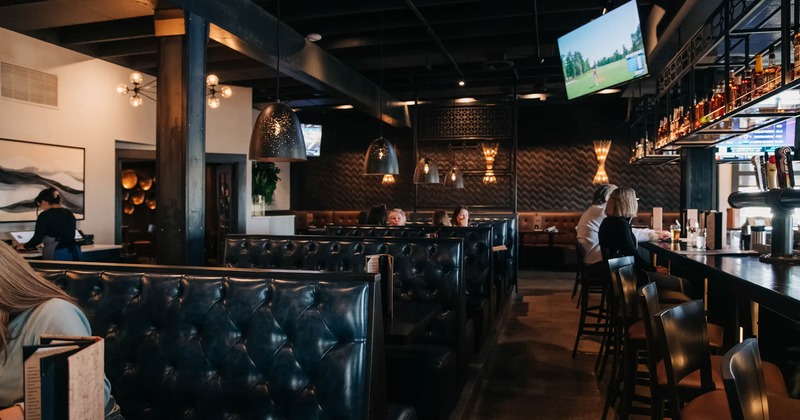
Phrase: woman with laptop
(55, 228)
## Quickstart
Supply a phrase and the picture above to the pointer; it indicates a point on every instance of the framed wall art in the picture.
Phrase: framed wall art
(27, 168)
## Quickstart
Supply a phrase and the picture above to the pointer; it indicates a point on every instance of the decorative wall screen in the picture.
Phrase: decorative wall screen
(453, 135)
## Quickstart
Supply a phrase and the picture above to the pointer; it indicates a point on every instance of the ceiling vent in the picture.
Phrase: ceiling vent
(28, 85)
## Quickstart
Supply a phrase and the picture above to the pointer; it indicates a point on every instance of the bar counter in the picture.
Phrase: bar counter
(729, 281)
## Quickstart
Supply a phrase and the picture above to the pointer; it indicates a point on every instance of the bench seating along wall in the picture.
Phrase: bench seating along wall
(320, 218)
(566, 222)
(189, 342)
(426, 269)
(478, 277)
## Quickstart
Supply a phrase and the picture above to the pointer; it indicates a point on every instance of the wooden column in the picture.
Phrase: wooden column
(698, 179)
(180, 138)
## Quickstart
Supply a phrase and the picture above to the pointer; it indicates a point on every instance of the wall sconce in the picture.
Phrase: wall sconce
(212, 88)
(601, 149)
(140, 89)
(489, 153)
(388, 179)
(143, 90)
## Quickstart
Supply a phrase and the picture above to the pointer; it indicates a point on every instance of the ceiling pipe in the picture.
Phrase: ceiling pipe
(435, 37)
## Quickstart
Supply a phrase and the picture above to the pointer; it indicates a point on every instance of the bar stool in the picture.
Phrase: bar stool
(628, 341)
(746, 388)
(593, 282)
(688, 365)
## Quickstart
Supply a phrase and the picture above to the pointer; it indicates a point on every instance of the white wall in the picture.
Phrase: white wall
(90, 114)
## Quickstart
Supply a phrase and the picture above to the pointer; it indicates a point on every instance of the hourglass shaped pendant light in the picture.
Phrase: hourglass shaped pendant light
(601, 149)
(277, 135)
(489, 153)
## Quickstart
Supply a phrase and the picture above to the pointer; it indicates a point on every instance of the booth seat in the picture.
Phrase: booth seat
(221, 343)
(428, 372)
(561, 245)
(305, 219)
(478, 278)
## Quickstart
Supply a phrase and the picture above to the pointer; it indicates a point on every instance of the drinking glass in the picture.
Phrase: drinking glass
(691, 230)
(735, 239)
(700, 238)
(675, 231)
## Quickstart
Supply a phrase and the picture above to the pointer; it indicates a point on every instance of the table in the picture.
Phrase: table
(93, 253)
(409, 319)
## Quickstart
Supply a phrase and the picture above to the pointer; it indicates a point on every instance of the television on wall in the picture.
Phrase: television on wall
(312, 133)
(742, 148)
(605, 52)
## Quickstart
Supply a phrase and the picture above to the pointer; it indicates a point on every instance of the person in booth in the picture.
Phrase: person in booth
(440, 218)
(30, 307)
(461, 216)
(377, 215)
(397, 217)
(55, 227)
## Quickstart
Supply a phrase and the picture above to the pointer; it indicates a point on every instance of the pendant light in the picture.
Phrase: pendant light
(426, 172)
(381, 158)
(454, 177)
(277, 135)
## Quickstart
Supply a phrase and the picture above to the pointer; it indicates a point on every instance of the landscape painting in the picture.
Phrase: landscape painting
(27, 168)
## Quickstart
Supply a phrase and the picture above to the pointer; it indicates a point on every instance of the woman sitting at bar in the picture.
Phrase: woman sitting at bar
(397, 217)
(461, 216)
(440, 218)
(615, 234)
(31, 306)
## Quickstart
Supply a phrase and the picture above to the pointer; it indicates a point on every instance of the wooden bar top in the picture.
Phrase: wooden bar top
(776, 286)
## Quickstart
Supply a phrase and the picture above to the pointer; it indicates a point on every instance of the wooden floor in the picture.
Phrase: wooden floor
(531, 372)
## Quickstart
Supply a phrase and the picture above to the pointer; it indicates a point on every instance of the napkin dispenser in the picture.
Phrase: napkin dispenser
(715, 223)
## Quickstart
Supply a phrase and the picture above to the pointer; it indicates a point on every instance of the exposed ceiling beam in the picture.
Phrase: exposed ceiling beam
(249, 29)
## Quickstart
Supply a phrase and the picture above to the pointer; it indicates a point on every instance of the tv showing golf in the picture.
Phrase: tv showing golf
(605, 52)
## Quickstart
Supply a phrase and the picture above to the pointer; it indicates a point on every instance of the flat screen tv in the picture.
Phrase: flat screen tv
(742, 148)
(603, 53)
(312, 133)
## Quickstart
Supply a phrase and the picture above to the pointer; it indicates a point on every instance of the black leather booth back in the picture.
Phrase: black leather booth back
(221, 343)
(509, 240)
(477, 247)
(426, 269)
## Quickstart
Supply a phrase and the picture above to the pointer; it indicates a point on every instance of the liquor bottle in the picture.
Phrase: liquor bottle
(747, 86)
(772, 73)
(733, 91)
(737, 99)
(698, 113)
(758, 77)
(796, 42)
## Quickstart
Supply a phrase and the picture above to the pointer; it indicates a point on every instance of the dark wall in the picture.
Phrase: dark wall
(555, 167)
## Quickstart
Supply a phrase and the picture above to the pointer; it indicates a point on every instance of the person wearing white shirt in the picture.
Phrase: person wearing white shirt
(589, 225)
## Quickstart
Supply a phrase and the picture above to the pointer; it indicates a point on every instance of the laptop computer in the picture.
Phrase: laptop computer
(22, 237)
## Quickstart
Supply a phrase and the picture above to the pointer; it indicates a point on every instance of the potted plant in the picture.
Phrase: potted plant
(264, 180)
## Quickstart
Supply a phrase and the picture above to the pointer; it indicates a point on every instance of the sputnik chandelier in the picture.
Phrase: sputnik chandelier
(141, 90)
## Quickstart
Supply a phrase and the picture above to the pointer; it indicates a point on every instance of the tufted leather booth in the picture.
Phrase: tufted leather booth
(478, 273)
(505, 233)
(426, 269)
(321, 218)
(213, 343)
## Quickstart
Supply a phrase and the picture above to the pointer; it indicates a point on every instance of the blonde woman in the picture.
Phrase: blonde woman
(29, 307)
(616, 235)
(397, 217)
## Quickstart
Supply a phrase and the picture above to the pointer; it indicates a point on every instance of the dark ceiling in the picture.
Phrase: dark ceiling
(413, 48)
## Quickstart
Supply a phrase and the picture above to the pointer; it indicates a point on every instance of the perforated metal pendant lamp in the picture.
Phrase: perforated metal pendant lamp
(277, 136)
(454, 178)
(426, 172)
(381, 158)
